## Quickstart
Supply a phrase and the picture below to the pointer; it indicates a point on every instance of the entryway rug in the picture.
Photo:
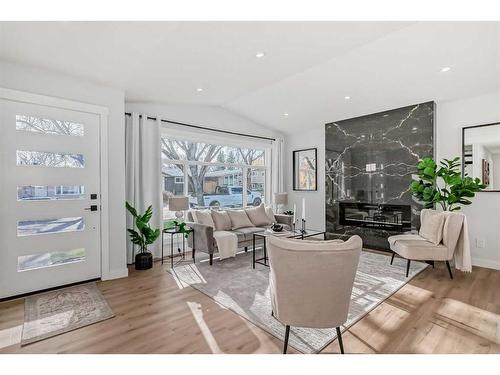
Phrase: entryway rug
(234, 284)
(62, 310)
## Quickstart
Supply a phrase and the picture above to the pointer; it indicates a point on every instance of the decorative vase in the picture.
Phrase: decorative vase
(144, 261)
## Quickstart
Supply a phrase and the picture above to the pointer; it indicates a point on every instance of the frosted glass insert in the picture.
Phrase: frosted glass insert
(34, 227)
(50, 159)
(41, 193)
(48, 126)
(50, 259)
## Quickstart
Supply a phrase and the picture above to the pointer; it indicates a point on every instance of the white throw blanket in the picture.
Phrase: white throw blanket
(462, 257)
(463, 260)
(227, 243)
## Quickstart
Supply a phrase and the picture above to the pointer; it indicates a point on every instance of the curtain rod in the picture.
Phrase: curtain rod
(205, 128)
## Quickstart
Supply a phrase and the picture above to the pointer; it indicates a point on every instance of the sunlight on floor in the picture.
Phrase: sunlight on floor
(192, 274)
(470, 318)
(205, 331)
(10, 336)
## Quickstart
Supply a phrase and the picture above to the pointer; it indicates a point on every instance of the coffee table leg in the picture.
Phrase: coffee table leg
(253, 252)
(194, 260)
(265, 252)
(171, 251)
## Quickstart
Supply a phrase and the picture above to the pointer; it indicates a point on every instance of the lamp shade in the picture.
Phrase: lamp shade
(280, 198)
(179, 203)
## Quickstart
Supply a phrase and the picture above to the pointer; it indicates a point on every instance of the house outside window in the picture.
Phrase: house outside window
(215, 175)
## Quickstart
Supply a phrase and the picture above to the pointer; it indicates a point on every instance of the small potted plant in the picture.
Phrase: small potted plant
(143, 237)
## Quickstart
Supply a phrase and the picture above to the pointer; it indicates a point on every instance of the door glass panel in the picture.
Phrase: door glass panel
(50, 159)
(38, 193)
(48, 126)
(54, 258)
(34, 227)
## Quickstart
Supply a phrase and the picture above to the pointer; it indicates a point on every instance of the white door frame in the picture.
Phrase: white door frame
(102, 112)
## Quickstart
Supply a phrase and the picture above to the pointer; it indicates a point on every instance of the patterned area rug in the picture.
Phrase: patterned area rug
(234, 284)
(58, 311)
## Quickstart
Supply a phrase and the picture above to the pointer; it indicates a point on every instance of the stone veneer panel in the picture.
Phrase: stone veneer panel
(371, 159)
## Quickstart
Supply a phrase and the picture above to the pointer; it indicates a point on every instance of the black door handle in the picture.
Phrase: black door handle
(92, 208)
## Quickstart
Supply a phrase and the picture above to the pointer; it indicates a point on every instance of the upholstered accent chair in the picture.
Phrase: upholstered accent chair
(415, 247)
(311, 282)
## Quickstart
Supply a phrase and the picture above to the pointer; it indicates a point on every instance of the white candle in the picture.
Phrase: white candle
(303, 209)
(294, 211)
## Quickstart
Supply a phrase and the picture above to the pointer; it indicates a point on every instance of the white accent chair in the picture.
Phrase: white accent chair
(415, 247)
(311, 282)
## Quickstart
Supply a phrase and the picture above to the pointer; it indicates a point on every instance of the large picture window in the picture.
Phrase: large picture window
(214, 175)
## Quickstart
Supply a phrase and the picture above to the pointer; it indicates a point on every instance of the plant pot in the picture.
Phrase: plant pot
(143, 261)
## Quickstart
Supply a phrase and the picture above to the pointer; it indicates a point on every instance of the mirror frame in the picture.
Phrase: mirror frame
(463, 149)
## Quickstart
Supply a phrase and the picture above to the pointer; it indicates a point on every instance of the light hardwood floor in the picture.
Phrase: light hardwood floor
(431, 314)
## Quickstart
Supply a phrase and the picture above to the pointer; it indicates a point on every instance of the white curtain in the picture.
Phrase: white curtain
(143, 174)
(277, 167)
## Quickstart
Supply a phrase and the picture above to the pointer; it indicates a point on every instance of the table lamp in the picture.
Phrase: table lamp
(178, 204)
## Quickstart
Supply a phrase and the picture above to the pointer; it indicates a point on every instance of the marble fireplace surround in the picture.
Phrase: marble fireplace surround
(371, 159)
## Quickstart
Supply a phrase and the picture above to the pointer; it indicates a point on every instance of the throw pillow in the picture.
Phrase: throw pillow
(222, 220)
(270, 214)
(203, 217)
(431, 226)
(258, 216)
(239, 219)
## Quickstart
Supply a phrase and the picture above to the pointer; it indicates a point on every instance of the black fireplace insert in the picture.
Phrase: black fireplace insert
(393, 217)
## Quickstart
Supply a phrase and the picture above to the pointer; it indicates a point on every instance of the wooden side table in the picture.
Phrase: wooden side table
(172, 232)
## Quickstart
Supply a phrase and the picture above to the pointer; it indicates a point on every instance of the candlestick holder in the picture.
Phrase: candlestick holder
(303, 229)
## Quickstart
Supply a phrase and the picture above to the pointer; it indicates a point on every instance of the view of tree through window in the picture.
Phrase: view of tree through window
(214, 173)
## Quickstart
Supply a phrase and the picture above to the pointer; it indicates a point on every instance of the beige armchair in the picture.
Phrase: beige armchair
(311, 282)
(415, 247)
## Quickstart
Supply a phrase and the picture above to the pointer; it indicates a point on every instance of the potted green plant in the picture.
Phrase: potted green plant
(143, 237)
(182, 228)
(444, 184)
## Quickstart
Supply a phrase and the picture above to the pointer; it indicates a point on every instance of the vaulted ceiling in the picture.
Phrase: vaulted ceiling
(307, 71)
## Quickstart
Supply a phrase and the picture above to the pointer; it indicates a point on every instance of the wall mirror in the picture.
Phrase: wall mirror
(481, 154)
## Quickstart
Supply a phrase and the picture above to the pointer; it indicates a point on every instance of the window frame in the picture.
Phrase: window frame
(175, 134)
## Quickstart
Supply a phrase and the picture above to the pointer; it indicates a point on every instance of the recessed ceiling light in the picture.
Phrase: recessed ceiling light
(199, 89)
(347, 97)
(446, 69)
(285, 114)
(260, 54)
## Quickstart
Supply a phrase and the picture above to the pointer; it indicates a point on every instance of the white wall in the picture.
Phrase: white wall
(315, 200)
(202, 115)
(483, 215)
(43, 82)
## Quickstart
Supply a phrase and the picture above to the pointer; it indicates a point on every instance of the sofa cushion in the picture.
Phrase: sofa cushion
(239, 219)
(420, 250)
(432, 223)
(222, 220)
(203, 217)
(258, 216)
(270, 214)
(248, 232)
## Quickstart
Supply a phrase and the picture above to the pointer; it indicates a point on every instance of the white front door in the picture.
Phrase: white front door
(50, 179)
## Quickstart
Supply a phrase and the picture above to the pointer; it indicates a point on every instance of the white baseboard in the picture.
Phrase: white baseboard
(486, 263)
(115, 274)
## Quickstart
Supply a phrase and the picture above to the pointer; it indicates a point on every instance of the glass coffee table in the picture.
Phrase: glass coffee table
(286, 234)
